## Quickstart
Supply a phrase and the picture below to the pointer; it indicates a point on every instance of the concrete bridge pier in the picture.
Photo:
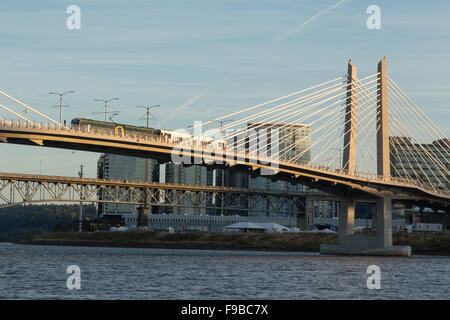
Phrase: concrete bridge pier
(142, 218)
(365, 244)
(384, 222)
(346, 221)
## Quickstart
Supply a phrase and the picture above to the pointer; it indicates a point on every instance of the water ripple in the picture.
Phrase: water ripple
(39, 272)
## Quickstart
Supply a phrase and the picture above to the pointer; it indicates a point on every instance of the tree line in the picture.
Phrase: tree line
(23, 222)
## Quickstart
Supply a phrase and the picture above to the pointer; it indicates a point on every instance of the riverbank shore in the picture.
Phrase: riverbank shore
(432, 243)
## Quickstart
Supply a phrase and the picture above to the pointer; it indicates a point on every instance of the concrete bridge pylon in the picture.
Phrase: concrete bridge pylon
(380, 242)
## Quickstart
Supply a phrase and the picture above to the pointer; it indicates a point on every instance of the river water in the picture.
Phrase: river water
(39, 272)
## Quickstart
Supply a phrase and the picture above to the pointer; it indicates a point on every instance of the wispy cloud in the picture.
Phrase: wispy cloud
(191, 101)
(282, 35)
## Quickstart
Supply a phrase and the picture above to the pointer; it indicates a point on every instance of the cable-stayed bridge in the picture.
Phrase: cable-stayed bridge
(362, 139)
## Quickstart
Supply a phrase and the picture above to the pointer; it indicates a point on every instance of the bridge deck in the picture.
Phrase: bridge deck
(140, 146)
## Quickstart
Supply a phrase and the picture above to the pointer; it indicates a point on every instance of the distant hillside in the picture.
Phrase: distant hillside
(22, 222)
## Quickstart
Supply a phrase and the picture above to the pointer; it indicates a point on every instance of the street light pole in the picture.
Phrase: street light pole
(221, 125)
(148, 112)
(145, 209)
(61, 102)
(146, 160)
(106, 105)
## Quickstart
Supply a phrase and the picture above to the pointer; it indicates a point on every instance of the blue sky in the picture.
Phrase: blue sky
(203, 58)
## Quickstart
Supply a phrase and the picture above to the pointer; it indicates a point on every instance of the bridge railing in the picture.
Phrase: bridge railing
(55, 128)
(375, 177)
(37, 125)
(5, 122)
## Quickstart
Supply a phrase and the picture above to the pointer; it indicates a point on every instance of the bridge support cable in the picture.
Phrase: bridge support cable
(346, 130)
(427, 142)
(253, 135)
(325, 136)
(27, 107)
(431, 155)
(279, 123)
(310, 124)
(426, 120)
(277, 110)
(372, 147)
(16, 114)
(298, 103)
(395, 152)
(417, 120)
(424, 146)
(368, 97)
(410, 151)
(279, 153)
(416, 150)
(366, 115)
(326, 148)
(268, 102)
(301, 107)
(298, 120)
(406, 121)
(269, 123)
(398, 174)
(400, 150)
(362, 138)
(326, 124)
(370, 130)
(365, 125)
(397, 134)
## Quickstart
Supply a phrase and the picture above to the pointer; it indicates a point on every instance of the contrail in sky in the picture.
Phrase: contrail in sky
(190, 101)
(280, 36)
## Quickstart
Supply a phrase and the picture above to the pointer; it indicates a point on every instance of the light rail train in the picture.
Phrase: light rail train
(169, 136)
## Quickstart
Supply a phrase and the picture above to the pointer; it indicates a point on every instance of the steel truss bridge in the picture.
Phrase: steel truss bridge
(19, 189)
(389, 148)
